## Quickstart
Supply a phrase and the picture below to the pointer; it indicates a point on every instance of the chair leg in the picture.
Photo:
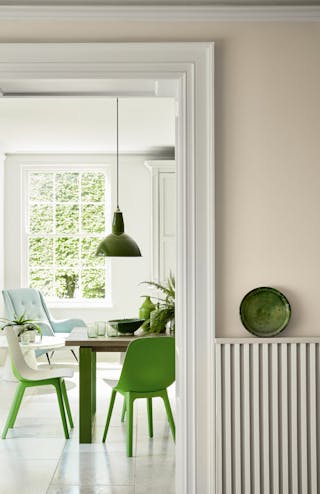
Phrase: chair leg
(14, 410)
(48, 358)
(123, 414)
(169, 414)
(61, 407)
(72, 351)
(129, 409)
(113, 397)
(150, 421)
(66, 402)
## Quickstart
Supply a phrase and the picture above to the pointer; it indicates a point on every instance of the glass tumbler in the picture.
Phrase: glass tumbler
(91, 330)
(25, 338)
(101, 328)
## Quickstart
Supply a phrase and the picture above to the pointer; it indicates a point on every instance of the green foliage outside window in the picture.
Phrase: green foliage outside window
(66, 224)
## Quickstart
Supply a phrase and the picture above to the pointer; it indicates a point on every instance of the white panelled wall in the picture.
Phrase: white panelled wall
(267, 416)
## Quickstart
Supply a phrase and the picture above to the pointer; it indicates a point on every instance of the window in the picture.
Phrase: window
(66, 216)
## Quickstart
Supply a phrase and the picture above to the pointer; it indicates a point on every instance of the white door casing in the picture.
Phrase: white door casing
(191, 65)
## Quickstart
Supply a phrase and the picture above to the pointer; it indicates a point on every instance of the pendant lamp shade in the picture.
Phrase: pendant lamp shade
(118, 243)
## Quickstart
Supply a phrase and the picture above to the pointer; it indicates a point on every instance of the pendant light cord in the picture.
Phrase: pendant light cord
(117, 154)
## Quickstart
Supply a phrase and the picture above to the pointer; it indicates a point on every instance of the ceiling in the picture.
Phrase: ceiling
(237, 3)
(85, 124)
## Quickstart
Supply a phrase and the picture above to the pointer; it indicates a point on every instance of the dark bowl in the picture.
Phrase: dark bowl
(126, 325)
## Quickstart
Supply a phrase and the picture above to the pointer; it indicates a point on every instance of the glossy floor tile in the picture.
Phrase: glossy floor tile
(36, 459)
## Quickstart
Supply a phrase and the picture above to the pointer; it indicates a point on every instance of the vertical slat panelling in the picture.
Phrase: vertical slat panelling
(246, 449)
(284, 488)
(237, 418)
(256, 417)
(227, 446)
(274, 419)
(294, 484)
(219, 450)
(303, 453)
(312, 421)
(265, 419)
(267, 407)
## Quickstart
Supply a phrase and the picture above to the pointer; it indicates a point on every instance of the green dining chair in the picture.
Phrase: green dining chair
(29, 377)
(148, 369)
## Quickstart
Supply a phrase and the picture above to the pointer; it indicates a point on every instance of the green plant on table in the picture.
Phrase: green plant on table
(165, 311)
(22, 322)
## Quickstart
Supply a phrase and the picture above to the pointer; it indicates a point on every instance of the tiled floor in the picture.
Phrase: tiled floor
(36, 459)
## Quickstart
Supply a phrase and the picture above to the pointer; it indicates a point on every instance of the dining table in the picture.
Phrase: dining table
(88, 349)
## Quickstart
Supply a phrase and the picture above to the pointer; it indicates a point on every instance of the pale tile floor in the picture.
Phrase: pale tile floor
(36, 459)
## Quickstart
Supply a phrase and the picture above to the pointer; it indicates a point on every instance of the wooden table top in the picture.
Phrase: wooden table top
(79, 337)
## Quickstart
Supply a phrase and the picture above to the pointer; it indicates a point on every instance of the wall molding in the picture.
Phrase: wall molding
(167, 13)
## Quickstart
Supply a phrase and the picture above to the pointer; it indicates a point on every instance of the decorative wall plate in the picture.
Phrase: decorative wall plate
(265, 311)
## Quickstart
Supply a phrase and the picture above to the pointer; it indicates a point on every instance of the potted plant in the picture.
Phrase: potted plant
(21, 325)
(163, 316)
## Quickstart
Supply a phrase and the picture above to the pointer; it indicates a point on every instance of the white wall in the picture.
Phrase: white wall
(267, 107)
(127, 273)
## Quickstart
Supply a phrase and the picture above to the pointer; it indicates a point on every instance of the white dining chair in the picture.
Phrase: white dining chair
(29, 377)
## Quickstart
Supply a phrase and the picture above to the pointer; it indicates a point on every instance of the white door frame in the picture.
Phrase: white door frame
(191, 65)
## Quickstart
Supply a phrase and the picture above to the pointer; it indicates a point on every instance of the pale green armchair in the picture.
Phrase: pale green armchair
(31, 303)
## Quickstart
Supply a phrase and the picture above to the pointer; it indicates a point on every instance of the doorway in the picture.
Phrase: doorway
(190, 66)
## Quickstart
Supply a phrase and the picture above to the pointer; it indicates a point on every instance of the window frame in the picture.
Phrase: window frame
(55, 166)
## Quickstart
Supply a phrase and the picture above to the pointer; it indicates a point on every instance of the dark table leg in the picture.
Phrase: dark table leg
(87, 393)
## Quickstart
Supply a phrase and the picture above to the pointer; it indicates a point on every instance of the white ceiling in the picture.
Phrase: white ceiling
(91, 3)
(85, 124)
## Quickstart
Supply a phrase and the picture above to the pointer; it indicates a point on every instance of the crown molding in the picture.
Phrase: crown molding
(160, 13)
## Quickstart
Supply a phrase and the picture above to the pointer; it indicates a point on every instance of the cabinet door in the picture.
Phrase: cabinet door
(167, 224)
(163, 185)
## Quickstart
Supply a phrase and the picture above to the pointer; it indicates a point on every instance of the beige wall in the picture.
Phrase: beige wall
(267, 153)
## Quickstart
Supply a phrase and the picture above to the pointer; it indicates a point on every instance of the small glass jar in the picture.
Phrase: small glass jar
(32, 335)
(25, 338)
(101, 328)
(112, 331)
(92, 330)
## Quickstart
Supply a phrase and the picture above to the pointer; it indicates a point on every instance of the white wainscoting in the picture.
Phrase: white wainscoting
(267, 415)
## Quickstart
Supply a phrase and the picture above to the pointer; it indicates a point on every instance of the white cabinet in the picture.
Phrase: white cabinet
(163, 218)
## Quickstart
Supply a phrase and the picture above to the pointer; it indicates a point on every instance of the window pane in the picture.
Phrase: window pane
(67, 218)
(67, 187)
(61, 262)
(89, 247)
(42, 279)
(41, 187)
(67, 251)
(40, 251)
(67, 281)
(41, 219)
(92, 186)
(93, 283)
(93, 220)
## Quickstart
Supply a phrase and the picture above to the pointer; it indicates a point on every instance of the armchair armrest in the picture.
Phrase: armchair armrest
(66, 325)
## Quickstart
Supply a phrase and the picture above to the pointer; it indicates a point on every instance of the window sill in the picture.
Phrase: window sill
(79, 305)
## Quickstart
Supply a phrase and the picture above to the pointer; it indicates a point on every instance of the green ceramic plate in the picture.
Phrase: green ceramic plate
(265, 311)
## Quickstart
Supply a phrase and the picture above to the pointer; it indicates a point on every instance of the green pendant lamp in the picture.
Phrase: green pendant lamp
(118, 243)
